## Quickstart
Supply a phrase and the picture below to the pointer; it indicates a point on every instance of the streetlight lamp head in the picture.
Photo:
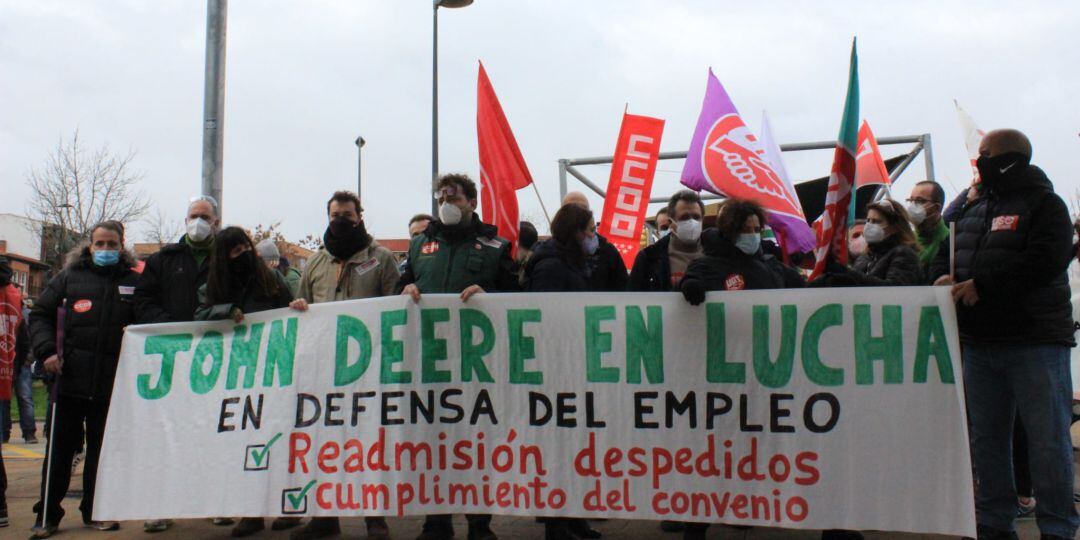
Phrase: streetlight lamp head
(360, 142)
(452, 3)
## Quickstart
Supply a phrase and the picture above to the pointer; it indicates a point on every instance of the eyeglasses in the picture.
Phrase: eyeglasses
(919, 201)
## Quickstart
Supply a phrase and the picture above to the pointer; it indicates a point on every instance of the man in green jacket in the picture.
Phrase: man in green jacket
(924, 210)
(457, 254)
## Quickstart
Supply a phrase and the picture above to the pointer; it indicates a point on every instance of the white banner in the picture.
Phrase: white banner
(815, 409)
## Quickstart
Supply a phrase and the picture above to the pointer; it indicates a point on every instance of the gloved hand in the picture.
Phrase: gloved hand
(693, 291)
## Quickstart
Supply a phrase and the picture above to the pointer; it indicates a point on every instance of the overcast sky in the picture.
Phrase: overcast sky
(304, 78)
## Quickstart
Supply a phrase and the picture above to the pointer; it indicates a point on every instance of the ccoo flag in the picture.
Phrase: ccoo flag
(869, 166)
(726, 158)
(832, 229)
(502, 168)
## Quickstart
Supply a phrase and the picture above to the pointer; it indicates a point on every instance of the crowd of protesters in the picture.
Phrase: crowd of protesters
(1007, 271)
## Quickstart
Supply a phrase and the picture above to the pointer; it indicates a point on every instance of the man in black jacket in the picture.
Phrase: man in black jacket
(170, 281)
(1013, 245)
(660, 267)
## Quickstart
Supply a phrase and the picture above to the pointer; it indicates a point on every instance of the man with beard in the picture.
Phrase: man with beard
(461, 255)
(350, 266)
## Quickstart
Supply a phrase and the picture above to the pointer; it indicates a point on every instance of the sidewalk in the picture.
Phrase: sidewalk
(23, 464)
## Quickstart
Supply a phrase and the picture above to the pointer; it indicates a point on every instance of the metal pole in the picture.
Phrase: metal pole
(359, 160)
(928, 157)
(214, 101)
(434, 105)
(562, 180)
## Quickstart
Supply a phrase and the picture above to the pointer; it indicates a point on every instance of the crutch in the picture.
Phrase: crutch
(61, 316)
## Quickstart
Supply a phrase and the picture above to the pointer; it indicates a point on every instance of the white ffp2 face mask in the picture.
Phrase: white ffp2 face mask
(449, 214)
(688, 230)
(916, 214)
(198, 229)
(873, 233)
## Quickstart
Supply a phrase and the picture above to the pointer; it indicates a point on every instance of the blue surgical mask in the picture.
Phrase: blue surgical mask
(106, 257)
(590, 244)
(748, 243)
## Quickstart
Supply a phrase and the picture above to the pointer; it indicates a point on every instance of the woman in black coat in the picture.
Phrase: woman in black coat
(238, 282)
(559, 265)
(734, 260)
(94, 293)
(892, 254)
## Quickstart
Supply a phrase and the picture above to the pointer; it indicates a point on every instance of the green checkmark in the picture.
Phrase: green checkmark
(296, 499)
(259, 455)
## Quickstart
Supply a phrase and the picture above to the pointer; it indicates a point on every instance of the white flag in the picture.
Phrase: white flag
(972, 137)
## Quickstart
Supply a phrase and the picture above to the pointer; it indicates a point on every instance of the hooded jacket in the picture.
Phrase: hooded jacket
(1015, 242)
(98, 303)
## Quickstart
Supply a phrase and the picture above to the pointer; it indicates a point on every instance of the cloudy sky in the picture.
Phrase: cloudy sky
(304, 78)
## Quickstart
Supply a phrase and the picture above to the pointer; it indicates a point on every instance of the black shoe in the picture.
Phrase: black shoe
(837, 534)
(581, 529)
(481, 532)
(377, 529)
(247, 527)
(282, 523)
(317, 528)
(556, 529)
(694, 533)
(4, 517)
(672, 526)
(436, 531)
(989, 533)
(30, 439)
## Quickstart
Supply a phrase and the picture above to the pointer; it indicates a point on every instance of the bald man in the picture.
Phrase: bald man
(607, 271)
(1013, 244)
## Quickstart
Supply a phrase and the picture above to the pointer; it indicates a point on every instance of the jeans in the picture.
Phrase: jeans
(24, 393)
(1033, 381)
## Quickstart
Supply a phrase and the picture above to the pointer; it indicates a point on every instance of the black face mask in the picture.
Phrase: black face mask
(343, 238)
(994, 170)
(243, 265)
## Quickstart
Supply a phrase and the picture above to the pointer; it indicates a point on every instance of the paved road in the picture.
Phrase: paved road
(23, 464)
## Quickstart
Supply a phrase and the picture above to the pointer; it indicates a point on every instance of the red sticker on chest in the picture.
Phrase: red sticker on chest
(429, 248)
(734, 282)
(1005, 223)
(82, 306)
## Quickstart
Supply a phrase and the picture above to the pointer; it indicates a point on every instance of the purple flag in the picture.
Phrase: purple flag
(726, 158)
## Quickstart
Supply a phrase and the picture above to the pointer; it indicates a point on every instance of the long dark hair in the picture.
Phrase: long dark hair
(218, 284)
(570, 220)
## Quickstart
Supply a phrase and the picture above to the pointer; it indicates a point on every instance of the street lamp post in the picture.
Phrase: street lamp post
(435, 90)
(359, 160)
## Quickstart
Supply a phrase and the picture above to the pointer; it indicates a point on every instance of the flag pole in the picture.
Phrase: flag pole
(541, 199)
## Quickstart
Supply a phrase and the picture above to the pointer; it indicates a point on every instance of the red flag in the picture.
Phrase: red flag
(630, 183)
(502, 169)
(869, 166)
(832, 229)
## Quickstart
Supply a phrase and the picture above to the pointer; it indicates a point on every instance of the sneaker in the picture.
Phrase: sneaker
(30, 439)
(282, 523)
(43, 531)
(103, 525)
(377, 529)
(317, 528)
(247, 527)
(157, 525)
(1025, 511)
(4, 517)
(222, 521)
(76, 461)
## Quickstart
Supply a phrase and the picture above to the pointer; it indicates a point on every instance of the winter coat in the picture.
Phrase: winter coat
(607, 271)
(292, 279)
(550, 269)
(446, 260)
(98, 303)
(245, 298)
(169, 285)
(652, 268)
(1015, 242)
(369, 273)
(726, 268)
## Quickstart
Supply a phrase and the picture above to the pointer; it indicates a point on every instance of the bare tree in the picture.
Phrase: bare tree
(160, 229)
(75, 188)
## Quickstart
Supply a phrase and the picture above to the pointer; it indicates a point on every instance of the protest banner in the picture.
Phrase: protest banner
(812, 409)
(630, 184)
